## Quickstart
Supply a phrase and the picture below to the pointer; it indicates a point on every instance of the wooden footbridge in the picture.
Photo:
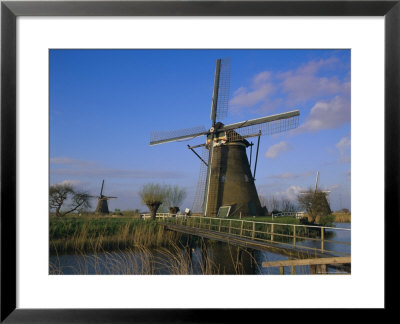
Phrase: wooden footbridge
(296, 241)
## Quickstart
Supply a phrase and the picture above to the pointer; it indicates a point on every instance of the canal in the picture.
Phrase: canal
(216, 258)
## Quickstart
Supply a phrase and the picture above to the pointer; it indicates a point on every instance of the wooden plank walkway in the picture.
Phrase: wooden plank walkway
(245, 242)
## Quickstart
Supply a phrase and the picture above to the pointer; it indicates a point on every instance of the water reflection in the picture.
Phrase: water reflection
(205, 258)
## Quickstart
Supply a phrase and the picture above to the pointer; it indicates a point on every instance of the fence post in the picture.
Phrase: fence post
(209, 225)
(241, 229)
(200, 221)
(253, 234)
(272, 232)
(230, 225)
(322, 239)
(219, 227)
(294, 235)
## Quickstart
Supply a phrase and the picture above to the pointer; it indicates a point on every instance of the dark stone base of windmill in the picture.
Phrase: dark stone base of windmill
(102, 207)
(232, 183)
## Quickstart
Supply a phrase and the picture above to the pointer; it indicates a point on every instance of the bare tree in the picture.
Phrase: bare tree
(287, 205)
(274, 204)
(153, 195)
(174, 197)
(264, 203)
(263, 200)
(60, 194)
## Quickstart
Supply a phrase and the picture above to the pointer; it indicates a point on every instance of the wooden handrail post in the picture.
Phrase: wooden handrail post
(200, 222)
(241, 229)
(253, 234)
(230, 225)
(294, 235)
(219, 227)
(209, 225)
(272, 232)
(322, 239)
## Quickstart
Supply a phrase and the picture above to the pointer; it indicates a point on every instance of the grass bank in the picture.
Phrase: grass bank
(73, 234)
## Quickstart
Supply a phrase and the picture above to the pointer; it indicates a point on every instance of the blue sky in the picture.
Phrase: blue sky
(105, 103)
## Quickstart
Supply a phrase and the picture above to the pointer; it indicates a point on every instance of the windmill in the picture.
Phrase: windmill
(102, 204)
(318, 198)
(326, 192)
(225, 178)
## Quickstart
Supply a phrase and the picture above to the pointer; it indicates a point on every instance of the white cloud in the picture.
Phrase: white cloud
(260, 90)
(73, 183)
(290, 193)
(289, 175)
(277, 149)
(344, 149)
(326, 115)
(71, 162)
(296, 86)
(305, 83)
(262, 77)
(68, 167)
(286, 175)
(116, 173)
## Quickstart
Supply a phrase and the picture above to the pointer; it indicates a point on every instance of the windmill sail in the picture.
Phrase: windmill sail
(160, 137)
(223, 89)
(267, 125)
(220, 98)
(102, 187)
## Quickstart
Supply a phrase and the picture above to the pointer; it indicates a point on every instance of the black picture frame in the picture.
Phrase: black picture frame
(10, 10)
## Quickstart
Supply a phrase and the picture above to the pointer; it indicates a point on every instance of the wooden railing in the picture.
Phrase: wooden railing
(318, 265)
(293, 235)
(161, 215)
(298, 215)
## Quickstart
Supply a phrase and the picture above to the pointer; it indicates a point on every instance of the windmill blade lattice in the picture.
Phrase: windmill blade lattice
(266, 128)
(201, 184)
(224, 89)
(159, 137)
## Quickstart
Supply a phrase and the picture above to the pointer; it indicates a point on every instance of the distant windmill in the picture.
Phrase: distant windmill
(327, 192)
(225, 177)
(316, 189)
(102, 204)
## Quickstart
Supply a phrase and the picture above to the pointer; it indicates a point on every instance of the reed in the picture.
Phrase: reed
(91, 234)
(342, 217)
(139, 260)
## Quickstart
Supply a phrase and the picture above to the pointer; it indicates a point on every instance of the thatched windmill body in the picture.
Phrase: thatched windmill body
(225, 175)
(102, 202)
(317, 200)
